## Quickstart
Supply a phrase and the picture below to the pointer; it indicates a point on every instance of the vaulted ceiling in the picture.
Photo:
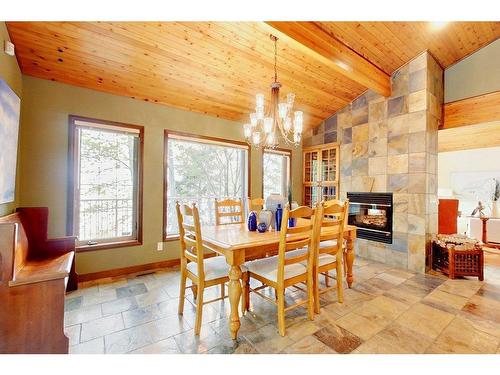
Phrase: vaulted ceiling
(216, 68)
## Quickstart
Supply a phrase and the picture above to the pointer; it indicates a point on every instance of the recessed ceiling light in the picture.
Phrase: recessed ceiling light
(438, 25)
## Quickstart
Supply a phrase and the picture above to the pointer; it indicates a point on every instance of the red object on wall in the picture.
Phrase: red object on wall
(447, 216)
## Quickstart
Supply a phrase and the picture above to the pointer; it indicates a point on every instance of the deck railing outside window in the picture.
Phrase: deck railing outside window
(206, 209)
(105, 218)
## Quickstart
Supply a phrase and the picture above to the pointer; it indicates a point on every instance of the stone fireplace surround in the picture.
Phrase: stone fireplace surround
(390, 145)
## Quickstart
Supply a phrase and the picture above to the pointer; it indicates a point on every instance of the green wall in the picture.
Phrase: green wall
(44, 150)
(10, 73)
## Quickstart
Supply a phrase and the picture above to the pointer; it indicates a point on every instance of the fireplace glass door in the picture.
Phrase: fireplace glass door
(372, 214)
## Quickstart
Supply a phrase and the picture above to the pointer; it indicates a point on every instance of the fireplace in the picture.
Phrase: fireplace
(372, 214)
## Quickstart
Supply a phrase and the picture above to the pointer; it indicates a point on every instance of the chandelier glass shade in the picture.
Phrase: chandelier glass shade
(265, 127)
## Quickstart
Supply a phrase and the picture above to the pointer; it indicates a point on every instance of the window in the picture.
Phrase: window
(276, 172)
(105, 183)
(198, 170)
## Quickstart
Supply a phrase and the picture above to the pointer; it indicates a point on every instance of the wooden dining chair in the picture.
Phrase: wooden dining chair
(285, 270)
(203, 272)
(328, 203)
(330, 249)
(228, 208)
(256, 204)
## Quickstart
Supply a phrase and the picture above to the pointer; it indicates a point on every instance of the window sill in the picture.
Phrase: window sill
(107, 245)
(171, 238)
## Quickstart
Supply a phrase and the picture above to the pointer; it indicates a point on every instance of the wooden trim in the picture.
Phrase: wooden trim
(314, 41)
(321, 146)
(110, 245)
(278, 151)
(70, 196)
(470, 111)
(138, 269)
(128, 270)
(166, 133)
(171, 238)
(72, 159)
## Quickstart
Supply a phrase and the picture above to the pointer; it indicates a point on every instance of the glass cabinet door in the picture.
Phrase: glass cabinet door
(329, 165)
(311, 166)
(311, 195)
(328, 193)
(320, 175)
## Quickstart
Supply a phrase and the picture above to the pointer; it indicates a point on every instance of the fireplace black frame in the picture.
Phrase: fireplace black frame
(374, 199)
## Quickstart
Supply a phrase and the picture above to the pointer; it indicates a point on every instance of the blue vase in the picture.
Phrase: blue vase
(279, 216)
(262, 227)
(291, 222)
(252, 221)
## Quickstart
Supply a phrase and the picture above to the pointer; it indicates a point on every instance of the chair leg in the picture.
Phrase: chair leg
(327, 282)
(182, 293)
(222, 290)
(310, 296)
(281, 311)
(340, 288)
(199, 310)
(345, 264)
(245, 295)
(316, 291)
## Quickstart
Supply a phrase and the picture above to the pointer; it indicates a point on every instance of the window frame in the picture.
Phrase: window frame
(199, 139)
(73, 166)
(280, 151)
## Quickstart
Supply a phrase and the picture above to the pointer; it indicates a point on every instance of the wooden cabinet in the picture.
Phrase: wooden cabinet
(320, 173)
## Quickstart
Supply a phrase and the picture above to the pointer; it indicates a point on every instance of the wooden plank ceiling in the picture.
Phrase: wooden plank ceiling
(216, 68)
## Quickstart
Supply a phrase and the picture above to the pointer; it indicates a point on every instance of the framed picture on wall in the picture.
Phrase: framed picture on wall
(10, 105)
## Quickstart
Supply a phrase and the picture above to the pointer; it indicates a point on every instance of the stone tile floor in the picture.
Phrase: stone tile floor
(388, 310)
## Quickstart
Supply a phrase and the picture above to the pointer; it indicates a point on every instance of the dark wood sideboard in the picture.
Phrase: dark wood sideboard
(34, 274)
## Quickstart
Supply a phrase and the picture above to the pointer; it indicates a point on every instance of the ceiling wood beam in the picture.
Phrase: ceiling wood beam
(470, 111)
(314, 41)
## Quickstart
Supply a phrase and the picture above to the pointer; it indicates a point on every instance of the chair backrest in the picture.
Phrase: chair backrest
(300, 236)
(190, 236)
(333, 222)
(256, 204)
(230, 209)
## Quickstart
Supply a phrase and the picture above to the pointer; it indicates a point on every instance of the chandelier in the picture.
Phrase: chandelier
(262, 131)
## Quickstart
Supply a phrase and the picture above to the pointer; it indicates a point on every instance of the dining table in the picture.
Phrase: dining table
(237, 244)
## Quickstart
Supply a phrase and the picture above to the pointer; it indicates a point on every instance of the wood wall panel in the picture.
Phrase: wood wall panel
(469, 137)
(470, 111)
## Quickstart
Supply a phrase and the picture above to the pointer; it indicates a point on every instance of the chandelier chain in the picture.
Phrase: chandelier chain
(275, 60)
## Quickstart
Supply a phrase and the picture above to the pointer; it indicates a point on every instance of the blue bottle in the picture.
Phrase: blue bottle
(252, 221)
(279, 216)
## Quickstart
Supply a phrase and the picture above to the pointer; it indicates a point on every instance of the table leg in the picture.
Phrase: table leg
(349, 260)
(234, 300)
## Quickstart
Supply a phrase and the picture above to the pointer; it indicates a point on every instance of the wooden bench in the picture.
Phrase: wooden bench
(34, 274)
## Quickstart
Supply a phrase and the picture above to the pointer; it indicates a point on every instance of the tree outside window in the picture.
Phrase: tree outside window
(198, 171)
